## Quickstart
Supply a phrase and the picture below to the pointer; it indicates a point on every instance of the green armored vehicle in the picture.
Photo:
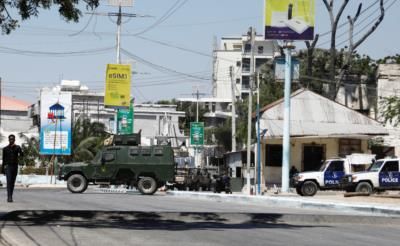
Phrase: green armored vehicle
(123, 162)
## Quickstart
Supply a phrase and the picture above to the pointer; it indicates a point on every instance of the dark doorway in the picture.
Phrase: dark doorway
(312, 157)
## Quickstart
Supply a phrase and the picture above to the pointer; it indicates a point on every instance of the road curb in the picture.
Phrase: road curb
(296, 202)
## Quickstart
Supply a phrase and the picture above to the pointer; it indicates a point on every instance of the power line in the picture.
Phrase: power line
(8, 50)
(175, 7)
(159, 67)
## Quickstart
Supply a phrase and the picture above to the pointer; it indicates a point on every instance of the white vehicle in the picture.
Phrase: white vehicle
(384, 174)
(331, 172)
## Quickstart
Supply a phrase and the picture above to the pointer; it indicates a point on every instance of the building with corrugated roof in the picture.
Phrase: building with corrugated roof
(319, 129)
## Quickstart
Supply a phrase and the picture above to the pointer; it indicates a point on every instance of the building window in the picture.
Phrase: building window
(245, 82)
(213, 107)
(237, 47)
(246, 65)
(260, 49)
(247, 48)
(349, 146)
(238, 63)
(273, 155)
(237, 81)
(260, 62)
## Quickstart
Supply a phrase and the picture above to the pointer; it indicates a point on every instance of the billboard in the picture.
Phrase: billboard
(196, 133)
(289, 19)
(118, 86)
(55, 123)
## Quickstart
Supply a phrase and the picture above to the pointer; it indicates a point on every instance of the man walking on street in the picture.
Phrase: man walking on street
(11, 154)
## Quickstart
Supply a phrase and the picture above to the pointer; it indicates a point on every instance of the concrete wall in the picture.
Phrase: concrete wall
(274, 174)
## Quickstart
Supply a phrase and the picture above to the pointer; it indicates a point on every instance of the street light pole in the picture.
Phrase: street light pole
(286, 118)
(251, 33)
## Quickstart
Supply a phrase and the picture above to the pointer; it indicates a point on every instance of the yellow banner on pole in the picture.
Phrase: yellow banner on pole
(118, 86)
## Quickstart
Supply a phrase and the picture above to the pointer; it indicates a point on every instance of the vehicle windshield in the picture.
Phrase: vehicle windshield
(96, 159)
(322, 168)
(376, 166)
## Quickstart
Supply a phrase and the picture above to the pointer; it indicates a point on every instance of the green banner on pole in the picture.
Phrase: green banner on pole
(197, 133)
(125, 120)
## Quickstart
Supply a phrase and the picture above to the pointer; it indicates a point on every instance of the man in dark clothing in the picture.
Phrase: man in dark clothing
(11, 154)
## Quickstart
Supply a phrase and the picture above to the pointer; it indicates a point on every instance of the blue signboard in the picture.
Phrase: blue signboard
(55, 123)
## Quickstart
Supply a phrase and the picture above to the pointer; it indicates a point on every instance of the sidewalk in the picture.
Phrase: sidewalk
(35, 181)
(331, 202)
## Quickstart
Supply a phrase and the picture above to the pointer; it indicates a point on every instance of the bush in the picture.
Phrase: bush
(33, 170)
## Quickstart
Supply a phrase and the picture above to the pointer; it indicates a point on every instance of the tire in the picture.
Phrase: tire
(364, 187)
(298, 191)
(77, 183)
(147, 186)
(309, 188)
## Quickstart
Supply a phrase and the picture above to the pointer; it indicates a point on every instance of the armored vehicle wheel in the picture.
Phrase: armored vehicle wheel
(298, 191)
(77, 183)
(309, 188)
(364, 187)
(147, 185)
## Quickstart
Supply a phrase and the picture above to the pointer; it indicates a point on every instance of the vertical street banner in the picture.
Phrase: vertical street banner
(125, 120)
(55, 123)
(289, 19)
(118, 86)
(196, 133)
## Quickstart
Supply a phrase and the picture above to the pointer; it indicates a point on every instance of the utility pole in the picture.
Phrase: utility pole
(233, 109)
(196, 150)
(119, 15)
(258, 139)
(251, 35)
(119, 21)
(1, 89)
(286, 117)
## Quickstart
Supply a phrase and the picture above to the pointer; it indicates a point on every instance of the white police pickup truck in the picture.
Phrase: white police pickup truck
(330, 174)
(384, 174)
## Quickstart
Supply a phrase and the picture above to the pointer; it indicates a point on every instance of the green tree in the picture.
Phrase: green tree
(190, 109)
(390, 110)
(14, 11)
(87, 139)
(30, 148)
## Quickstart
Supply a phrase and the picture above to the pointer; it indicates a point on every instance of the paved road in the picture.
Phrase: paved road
(57, 217)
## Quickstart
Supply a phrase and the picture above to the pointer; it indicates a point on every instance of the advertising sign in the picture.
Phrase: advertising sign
(289, 19)
(118, 86)
(125, 120)
(55, 123)
(196, 133)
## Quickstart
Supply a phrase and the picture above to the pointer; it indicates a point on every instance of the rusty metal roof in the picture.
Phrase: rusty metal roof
(313, 115)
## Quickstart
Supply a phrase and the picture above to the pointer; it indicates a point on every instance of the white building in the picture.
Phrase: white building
(388, 84)
(236, 52)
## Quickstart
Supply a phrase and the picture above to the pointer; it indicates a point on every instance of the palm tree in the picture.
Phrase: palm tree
(87, 139)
